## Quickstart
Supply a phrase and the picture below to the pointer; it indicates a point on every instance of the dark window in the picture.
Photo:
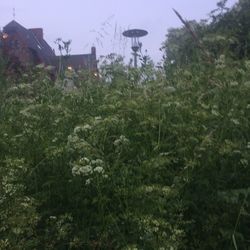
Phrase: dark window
(17, 44)
(14, 44)
(35, 57)
(11, 44)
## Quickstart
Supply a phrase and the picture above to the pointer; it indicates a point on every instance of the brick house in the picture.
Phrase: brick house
(23, 48)
(81, 61)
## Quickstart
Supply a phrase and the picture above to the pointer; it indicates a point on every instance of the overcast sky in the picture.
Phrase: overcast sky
(101, 22)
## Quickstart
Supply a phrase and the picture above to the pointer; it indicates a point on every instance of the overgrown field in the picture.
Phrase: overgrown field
(136, 159)
(124, 165)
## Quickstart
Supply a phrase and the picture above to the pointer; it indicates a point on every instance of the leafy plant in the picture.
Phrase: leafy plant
(126, 161)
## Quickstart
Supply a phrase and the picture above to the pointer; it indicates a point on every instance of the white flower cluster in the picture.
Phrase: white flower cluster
(121, 141)
(153, 225)
(77, 144)
(9, 185)
(170, 89)
(234, 83)
(235, 121)
(83, 128)
(31, 112)
(247, 64)
(87, 168)
(247, 84)
(220, 63)
(84, 167)
(172, 104)
(98, 118)
(82, 170)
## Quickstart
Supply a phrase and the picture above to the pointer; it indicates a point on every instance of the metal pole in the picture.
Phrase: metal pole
(135, 59)
(135, 34)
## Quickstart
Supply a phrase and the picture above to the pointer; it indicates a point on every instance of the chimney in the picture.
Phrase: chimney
(38, 32)
(93, 56)
(93, 51)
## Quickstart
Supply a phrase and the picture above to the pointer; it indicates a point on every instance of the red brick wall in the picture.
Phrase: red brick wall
(14, 46)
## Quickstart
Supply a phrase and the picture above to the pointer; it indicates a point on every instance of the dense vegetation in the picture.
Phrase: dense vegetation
(138, 159)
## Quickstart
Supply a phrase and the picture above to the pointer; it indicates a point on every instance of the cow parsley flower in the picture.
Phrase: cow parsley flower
(170, 89)
(86, 127)
(220, 62)
(82, 170)
(121, 141)
(235, 121)
(247, 64)
(247, 84)
(234, 83)
(97, 120)
(84, 160)
(99, 170)
(86, 170)
(87, 182)
(77, 129)
(97, 162)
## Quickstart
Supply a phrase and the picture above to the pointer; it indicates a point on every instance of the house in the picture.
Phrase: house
(25, 47)
(22, 48)
(78, 62)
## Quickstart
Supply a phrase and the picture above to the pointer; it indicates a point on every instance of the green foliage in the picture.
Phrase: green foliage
(130, 160)
(225, 32)
(159, 165)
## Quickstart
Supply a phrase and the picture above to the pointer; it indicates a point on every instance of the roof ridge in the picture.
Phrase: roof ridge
(15, 23)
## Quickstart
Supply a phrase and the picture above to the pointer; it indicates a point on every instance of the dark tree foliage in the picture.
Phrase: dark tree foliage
(225, 32)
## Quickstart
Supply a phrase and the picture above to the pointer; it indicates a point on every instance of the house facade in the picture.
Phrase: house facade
(22, 47)
(25, 47)
(79, 62)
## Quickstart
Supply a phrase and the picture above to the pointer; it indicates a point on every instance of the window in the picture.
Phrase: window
(14, 44)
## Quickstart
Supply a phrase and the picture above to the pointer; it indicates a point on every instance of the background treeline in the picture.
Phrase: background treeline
(136, 159)
(226, 31)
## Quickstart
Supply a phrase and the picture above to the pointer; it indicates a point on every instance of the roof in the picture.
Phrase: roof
(40, 46)
(33, 38)
(82, 61)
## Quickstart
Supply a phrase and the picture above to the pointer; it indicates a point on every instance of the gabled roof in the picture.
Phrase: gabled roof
(34, 41)
(40, 46)
(14, 26)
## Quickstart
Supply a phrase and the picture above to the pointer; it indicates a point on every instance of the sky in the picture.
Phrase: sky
(100, 23)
